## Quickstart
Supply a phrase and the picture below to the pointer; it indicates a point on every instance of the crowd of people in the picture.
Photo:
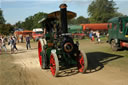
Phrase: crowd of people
(11, 41)
(96, 34)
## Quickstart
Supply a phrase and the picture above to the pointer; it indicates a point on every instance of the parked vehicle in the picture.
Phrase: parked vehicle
(101, 27)
(22, 34)
(95, 26)
(77, 31)
(37, 34)
(118, 35)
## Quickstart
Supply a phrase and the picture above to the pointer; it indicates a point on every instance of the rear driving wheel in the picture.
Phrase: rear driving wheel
(82, 62)
(41, 52)
(54, 64)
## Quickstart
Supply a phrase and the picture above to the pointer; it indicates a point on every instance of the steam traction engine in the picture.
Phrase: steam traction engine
(57, 49)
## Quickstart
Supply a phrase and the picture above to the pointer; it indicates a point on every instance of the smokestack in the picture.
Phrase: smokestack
(63, 17)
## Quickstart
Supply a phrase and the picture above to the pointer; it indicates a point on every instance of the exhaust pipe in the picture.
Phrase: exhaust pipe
(63, 17)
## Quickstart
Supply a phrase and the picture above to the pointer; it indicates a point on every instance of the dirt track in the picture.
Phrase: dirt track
(31, 73)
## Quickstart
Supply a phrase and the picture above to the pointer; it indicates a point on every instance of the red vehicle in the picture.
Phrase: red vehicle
(37, 34)
(96, 26)
(22, 34)
(102, 27)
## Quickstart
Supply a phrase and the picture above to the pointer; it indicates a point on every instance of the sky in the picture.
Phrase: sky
(18, 10)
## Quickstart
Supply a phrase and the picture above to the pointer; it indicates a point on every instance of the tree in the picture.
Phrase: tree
(38, 17)
(72, 21)
(28, 24)
(82, 20)
(31, 21)
(6, 29)
(19, 25)
(78, 20)
(101, 10)
(117, 14)
(2, 20)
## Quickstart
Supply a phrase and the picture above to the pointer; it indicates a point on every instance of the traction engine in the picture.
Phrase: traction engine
(57, 49)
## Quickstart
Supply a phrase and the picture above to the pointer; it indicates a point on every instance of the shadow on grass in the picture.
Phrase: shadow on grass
(97, 60)
(123, 49)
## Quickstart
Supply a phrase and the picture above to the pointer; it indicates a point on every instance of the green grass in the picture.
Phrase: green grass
(89, 46)
(102, 54)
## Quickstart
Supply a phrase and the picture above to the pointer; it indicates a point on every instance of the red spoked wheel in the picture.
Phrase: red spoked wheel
(82, 62)
(41, 43)
(54, 64)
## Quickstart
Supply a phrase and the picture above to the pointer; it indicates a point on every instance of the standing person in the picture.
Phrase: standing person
(22, 39)
(3, 43)
(98, 36)
(0, 45)
(91, 35)
(14, 44)
(107, 36)
(11, 43)
(28, 42)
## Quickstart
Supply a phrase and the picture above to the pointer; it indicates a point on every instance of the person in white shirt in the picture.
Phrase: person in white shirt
(98, 36)
(3, 44)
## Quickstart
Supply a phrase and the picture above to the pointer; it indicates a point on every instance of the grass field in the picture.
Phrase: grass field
(102, 54)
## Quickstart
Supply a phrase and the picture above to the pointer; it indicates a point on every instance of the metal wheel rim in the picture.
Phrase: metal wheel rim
(54, 64)
(82, 62)
(39, 51)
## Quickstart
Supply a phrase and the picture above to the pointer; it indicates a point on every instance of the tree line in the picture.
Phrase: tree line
(99, 11)
(5, 29)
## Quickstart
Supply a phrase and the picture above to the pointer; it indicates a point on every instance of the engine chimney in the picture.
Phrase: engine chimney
(63, 17)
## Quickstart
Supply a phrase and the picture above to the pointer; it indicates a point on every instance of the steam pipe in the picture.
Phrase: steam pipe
(63, 17)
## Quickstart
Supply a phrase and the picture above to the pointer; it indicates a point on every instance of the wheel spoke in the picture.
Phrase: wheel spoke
(54, 66)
